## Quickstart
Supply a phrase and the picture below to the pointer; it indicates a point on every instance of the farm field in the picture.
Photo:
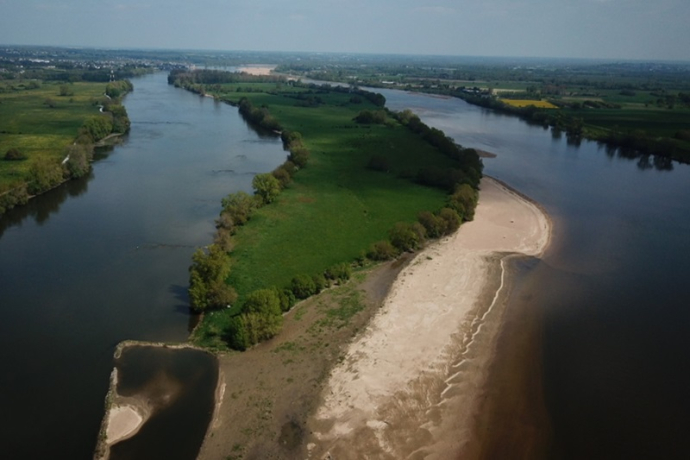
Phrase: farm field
(30, 124)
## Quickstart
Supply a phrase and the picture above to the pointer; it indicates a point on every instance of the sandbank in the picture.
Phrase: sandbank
(257, 69)
(410, 383)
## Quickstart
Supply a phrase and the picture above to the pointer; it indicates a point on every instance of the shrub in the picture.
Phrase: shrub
(287, 299)
(382, 250)
(262, 301)
(44, 175)
(284, 178)
(463, 201)
(207, 275)
(299, 156)
(340, 272)
(239, 207)
(14, 154)
(451, 220)
(303, 286)
(79, 159)
(433, 225)
(320, 282)
(405, 237)
(266, 186)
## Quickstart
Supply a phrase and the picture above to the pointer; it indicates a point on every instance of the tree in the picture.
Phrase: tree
(463, 201)
(207, 275)
(44, 174)
(239, 206)
(262, 301)
(79, 159)
(404, 237)
(303, 286)
(382, 250)
(433, 225)
(451, 220)
(266, 186)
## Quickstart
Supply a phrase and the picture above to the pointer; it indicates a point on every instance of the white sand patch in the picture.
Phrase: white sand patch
(123, 422)
(407, 341)
(257, 69)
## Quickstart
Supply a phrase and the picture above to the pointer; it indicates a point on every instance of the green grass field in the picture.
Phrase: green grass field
(336, 207)
(37, 130)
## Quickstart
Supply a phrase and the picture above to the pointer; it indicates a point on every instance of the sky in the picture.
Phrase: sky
(609, 29)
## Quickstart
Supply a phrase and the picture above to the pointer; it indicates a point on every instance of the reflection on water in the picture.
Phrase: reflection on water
(612, 286)
(83, 271)
(177, 386)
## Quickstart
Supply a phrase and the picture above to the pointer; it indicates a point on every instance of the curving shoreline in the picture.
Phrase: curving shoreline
(412, 382)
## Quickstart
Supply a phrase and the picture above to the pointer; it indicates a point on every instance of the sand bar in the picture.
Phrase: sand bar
(424, 351)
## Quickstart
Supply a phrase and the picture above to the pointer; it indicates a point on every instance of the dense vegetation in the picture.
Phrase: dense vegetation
(48, 130)
(636, 109)
(328, 208)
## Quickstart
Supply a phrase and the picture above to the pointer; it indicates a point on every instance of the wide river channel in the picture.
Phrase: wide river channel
(102, 260)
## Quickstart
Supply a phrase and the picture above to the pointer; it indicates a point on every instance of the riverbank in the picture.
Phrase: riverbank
(400, 386)
(413, 380)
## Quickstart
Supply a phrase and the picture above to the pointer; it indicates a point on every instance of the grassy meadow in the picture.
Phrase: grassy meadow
(528, 102)
(37, 130)
(336, 208)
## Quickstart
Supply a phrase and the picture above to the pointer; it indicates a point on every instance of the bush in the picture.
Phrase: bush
(266, 186)
(406, 237)
(433, 225)
(207, 275)
(339, 273)
(14, 154)
(303, 286)
(239, 207)
(299, 156)
(382, 250)
(287, 299)
(284, 178)
(451, 220)
(262, 301)
(320, 282)
(79, 159)
(43, 175)
(463, 201)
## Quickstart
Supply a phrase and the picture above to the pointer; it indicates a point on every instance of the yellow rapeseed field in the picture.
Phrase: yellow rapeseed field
(526, 102)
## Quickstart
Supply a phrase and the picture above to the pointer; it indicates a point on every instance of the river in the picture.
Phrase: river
(611, 288)
(105, 259)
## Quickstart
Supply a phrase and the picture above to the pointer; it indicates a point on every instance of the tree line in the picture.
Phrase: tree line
(259, 317)
(47, 173)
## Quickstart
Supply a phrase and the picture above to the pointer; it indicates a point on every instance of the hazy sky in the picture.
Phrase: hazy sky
(630, 29)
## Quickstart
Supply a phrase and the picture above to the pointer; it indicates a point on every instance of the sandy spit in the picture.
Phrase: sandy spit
(409, 384)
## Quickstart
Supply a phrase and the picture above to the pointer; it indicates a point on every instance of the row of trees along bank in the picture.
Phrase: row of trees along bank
(47, 173)
(259, 317)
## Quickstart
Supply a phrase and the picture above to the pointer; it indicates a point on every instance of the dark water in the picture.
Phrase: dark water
(179, 386)
(613, 286)
(105, 259)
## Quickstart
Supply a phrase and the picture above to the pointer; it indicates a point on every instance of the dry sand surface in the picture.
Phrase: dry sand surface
(410, 384)
(257, 69)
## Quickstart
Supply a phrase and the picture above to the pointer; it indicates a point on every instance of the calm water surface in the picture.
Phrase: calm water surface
(105, 259)
(613, 286)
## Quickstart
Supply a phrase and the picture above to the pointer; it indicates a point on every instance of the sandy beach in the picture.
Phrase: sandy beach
(257, 69)
(406, 376)
(410, 384)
